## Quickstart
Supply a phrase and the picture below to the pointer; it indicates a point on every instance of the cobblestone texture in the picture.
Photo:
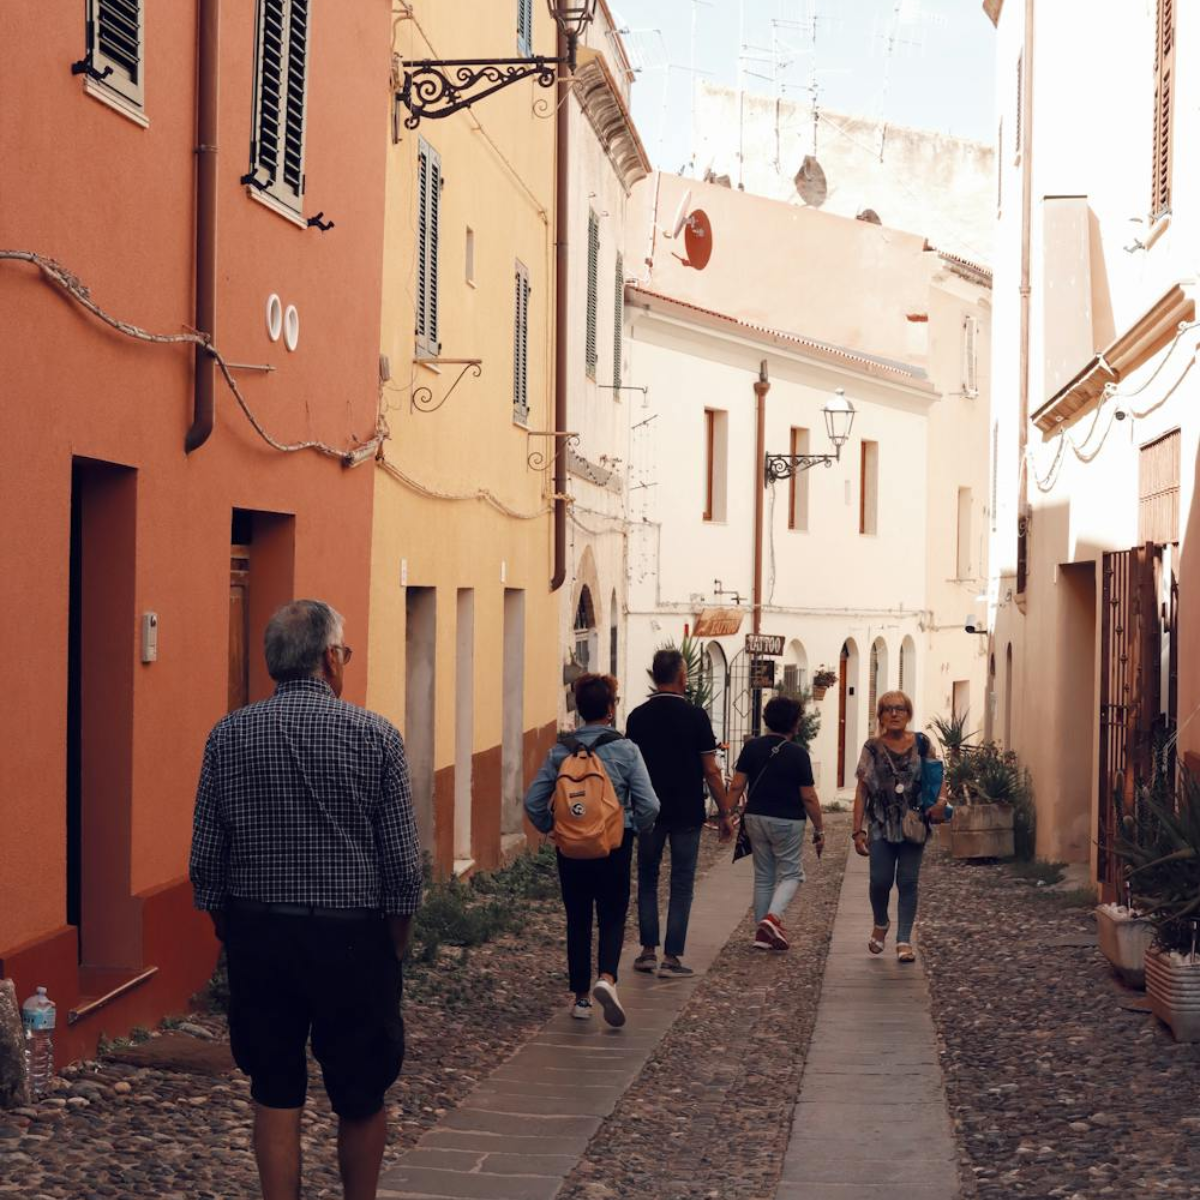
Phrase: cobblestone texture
(1058, 1088)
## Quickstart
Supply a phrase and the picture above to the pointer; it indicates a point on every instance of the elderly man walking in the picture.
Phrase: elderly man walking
(305, 854)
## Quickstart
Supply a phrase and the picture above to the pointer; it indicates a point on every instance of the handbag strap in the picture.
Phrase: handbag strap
(762, 771)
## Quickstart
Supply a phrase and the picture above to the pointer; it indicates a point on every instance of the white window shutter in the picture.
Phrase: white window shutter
(116, 40)
(429, 194)
(280, 100)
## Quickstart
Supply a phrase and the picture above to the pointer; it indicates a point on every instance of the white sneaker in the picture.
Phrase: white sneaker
(582, 1009)
(605, 995)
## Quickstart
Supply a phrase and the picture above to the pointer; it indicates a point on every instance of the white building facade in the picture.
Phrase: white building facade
(606, 160)
(869, 566)
(1096, 438)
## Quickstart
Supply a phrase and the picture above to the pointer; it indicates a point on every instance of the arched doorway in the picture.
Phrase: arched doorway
(1008, 695)
(718, 677)
(614, 658)
(847, 710)
(585, 634)
(908, 668)
(877, 682)
(795, 668)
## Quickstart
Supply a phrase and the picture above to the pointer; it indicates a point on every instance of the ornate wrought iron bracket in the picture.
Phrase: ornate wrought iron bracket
(539, 460)
(436, 88)
(422, 398)
(784, 466)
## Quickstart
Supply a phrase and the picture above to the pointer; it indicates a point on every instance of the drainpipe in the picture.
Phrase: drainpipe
(561, 325)
(761, 387)
(1026, 233)
(206, 220)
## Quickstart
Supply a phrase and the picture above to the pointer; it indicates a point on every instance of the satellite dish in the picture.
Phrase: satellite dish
(811, 183)
(698, 240)
(681, 214)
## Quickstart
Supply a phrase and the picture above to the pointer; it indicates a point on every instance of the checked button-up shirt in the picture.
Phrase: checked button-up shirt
(305, 799)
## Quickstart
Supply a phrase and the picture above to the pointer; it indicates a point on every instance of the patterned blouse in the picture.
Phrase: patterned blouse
(882, 773)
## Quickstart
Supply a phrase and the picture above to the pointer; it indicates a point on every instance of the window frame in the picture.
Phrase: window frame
(119, 84)
(521, 293)
(429, 198)
(868, 489)
(1161, 177)
(618, 325)
(970, 351)
(591, 351)
(277, 188)
(798, 490)
(525, 28)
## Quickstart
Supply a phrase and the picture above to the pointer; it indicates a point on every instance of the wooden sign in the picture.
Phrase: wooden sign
(770, 644)
(718, 622)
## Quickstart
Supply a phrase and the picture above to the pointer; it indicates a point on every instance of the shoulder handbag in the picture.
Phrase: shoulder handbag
(741, 844)
(913, 825)
(933, 772)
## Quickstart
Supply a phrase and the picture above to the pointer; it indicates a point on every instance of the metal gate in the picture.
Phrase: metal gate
(749, 683)
(1138, 622)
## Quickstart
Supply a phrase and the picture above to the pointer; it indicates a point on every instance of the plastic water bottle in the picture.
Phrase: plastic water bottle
(37, 1015)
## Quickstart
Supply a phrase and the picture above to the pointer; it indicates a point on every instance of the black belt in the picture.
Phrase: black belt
(237, 904)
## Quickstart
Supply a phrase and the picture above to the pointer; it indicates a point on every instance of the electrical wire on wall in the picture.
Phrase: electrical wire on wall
(1047, 481)
(78, 291)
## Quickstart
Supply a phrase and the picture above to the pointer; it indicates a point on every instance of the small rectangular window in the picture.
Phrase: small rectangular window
(618, 323)
(525, 28)
(116, 44)
(429, 200)
(716, 463)
(469, 256)
(280, 98)
(963, 550)
(970, 387)
(593, 282)
(868, 489)
(798, 485)
(521, 347)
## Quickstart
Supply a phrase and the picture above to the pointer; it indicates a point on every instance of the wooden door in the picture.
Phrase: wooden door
(843, 684)
(239, 627)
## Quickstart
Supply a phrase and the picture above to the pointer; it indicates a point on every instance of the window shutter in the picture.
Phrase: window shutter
(618, 321)
(277, 151)
(1000, 165)
(995, 469)
(116, 37)
(525, 27)
(1164, 74)
(593, 279)
(970, 357)
(1158, 490)
(521, 346)
(429, 195)
(1018, 144)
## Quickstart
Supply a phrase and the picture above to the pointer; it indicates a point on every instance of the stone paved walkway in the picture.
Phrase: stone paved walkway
(872, 1121)
(522, 1130)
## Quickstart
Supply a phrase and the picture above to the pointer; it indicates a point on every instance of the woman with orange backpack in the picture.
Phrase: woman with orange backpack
(591, 794)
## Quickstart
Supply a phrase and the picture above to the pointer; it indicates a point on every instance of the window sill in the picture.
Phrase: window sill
(428, 364)
(1158, 229)
(472, 284)
(521, 420)
(116, 102)
(276, 206)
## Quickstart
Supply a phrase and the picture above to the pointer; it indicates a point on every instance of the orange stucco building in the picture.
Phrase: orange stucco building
(137, 546)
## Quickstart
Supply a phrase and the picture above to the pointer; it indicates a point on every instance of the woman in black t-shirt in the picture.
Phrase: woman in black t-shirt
(780, 795)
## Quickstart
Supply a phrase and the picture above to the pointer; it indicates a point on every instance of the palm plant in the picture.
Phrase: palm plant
(952, 734)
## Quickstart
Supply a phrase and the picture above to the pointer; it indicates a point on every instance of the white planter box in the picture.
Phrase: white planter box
(1173, 989)
(1124, 939)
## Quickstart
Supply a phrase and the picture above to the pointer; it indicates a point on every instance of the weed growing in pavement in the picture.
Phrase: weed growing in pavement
(1038, 870)
(1066, 898)
(530, 877)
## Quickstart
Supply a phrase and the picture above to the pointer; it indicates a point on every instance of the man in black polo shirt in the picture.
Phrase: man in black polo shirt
(676, 740)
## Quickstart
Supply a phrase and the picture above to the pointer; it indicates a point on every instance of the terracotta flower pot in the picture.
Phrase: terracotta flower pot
(818, 693)
(1173, 989)
(1124, 939)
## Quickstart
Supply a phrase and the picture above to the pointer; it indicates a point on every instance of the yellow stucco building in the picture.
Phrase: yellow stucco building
(464, 626)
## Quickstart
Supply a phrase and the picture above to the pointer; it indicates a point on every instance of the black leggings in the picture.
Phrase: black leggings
(600, 885)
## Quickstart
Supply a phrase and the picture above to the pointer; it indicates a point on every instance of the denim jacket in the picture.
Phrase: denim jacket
(625, 766)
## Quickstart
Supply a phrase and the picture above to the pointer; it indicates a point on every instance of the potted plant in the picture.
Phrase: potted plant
(986, 784)
(822, 681)
(1164, 874)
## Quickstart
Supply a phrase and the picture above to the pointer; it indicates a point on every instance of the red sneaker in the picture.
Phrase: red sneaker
(770, 928)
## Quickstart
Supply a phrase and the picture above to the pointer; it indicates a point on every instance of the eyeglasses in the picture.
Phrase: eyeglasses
(346, 655)
(894, 710)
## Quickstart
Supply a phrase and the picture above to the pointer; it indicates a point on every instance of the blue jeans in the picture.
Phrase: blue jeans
(899, 863)
(685, 850)
(777, 844)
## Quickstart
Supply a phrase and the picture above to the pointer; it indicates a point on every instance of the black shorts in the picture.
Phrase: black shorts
(336, 979)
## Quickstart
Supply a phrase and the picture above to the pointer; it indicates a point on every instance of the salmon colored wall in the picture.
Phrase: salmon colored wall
(114, 203)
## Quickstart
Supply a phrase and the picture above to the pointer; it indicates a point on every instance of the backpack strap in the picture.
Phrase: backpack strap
(609, 735)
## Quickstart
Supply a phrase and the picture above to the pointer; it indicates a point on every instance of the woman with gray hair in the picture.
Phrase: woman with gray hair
(889, 786)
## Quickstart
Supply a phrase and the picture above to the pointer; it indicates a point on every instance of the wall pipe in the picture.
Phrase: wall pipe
(207, 68)
(762, 386)
(561, 324)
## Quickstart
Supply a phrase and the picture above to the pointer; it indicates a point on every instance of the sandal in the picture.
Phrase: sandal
(904, 953)
(878, 937)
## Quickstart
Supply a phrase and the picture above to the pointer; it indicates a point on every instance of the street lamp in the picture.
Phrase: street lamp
(436, 88)
(839, 420)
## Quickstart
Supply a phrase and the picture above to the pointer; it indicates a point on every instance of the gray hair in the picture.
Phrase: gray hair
(667, 664)
(297, 637)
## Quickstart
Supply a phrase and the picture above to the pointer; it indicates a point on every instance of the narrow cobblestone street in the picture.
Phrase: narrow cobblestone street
(821, 1074)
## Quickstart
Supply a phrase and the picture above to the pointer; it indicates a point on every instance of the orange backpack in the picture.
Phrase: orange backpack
(589, 821)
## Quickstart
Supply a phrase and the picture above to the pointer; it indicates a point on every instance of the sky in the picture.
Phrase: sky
(922, 63)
